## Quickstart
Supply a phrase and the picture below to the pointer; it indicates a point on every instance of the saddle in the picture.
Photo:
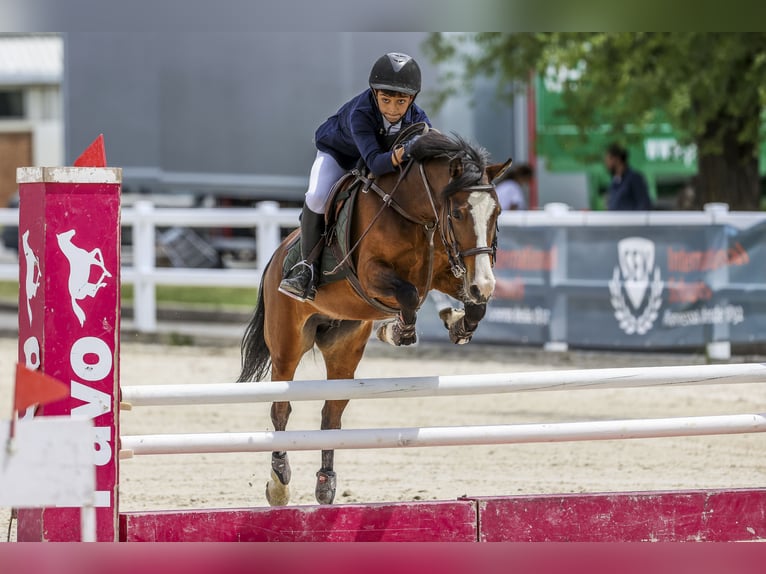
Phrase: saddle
(337, 231)
(340, 207)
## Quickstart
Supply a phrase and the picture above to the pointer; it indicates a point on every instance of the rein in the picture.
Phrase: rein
(454, 254)
(388, 200)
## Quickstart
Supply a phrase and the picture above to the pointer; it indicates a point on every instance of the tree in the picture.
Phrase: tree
(708, 86)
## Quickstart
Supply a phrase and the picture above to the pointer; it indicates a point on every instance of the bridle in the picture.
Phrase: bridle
(443, 222)
(454, 254)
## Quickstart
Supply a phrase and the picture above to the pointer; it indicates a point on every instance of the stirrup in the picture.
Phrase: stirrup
(304, 263)
(308, 293)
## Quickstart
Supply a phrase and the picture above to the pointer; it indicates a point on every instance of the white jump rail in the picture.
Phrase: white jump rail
(266, 441)
(435, 386)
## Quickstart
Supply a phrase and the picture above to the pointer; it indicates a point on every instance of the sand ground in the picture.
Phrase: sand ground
(237, 480)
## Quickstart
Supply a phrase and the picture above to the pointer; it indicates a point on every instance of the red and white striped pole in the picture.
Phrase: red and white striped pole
(69, 317)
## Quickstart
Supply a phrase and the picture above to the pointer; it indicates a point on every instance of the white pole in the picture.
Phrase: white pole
(144, 245)
(452, 385)
(441, 436)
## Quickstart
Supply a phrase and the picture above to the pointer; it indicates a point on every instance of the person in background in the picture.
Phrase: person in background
(686, 197)
(510, 191)
(628, 190)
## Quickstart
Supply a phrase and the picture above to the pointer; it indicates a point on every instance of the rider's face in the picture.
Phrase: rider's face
(393, 107)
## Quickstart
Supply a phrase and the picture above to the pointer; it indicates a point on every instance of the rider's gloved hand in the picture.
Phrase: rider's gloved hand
(407, 147)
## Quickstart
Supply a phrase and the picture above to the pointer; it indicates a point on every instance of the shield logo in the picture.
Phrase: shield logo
(636, 277)
(636, 258)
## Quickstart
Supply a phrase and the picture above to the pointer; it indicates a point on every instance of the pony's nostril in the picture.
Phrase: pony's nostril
(475, 292)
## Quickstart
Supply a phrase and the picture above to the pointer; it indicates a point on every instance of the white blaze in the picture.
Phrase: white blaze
(482, 208)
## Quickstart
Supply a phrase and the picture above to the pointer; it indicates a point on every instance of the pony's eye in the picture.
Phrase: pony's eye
(457, 214)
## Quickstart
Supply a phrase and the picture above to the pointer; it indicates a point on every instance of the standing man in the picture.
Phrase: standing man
(628, 190)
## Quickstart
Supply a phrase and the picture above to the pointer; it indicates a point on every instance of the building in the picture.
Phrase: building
(232, 114)
(31, 126)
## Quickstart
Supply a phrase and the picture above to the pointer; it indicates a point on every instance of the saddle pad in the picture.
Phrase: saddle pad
(337, 240)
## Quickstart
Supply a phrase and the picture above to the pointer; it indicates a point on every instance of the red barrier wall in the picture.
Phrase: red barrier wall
(664, 516)
(400, 522)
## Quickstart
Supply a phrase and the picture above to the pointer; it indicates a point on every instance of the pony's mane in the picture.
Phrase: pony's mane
(434, 144)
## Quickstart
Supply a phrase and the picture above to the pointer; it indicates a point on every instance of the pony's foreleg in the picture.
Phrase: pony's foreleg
(399, 331)
(462, 323)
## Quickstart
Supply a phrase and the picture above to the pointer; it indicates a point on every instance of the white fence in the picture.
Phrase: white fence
(267, 220)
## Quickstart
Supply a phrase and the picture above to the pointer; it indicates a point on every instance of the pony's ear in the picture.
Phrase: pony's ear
(456, 167)
(496, 171)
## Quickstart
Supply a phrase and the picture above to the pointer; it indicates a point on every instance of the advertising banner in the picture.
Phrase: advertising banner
(625, 286)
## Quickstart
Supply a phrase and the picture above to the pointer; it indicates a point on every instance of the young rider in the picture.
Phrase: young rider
(362, 128)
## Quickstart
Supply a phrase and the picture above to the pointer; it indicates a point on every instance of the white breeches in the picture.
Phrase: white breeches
(324, 173)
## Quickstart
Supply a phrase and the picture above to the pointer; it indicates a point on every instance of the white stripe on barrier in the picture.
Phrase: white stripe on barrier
(442, 436)
(622, 378)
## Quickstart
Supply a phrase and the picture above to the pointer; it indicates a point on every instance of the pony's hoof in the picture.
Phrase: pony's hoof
(450, 316)
(280, 466)
(405, 341)
(395, 333)
(277, 494)
(460, 339)
(454, 322)
(386, 333)
(325, 490)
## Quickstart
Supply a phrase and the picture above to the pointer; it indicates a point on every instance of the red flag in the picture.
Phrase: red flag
(94, 155)
(34, 387)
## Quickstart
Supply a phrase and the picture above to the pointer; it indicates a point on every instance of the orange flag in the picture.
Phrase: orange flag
(94, 155)
(34, 387)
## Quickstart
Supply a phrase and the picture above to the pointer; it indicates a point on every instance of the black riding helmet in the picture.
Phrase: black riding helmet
(396, 72)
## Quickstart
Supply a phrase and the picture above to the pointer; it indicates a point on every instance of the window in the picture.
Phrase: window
(11, 104)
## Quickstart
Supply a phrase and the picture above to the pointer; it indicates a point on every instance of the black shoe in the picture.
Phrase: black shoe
(300, 282)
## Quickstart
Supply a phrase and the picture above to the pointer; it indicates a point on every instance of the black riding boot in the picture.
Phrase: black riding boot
(301, 281)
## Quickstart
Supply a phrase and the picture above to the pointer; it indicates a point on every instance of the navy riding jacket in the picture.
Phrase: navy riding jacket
(357, 131)
(629, 192)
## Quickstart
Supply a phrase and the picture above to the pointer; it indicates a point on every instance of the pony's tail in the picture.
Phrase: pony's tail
(256, 358)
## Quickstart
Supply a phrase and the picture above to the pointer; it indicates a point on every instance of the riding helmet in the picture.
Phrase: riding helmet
(396, 72)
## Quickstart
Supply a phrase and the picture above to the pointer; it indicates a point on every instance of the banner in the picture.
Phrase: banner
(625, 286)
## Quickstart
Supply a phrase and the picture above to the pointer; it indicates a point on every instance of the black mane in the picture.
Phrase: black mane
(434, 144)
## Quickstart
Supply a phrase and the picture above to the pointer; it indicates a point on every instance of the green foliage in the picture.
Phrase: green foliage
(704, 84)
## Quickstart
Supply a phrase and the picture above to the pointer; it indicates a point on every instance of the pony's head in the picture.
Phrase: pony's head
(469, 209)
